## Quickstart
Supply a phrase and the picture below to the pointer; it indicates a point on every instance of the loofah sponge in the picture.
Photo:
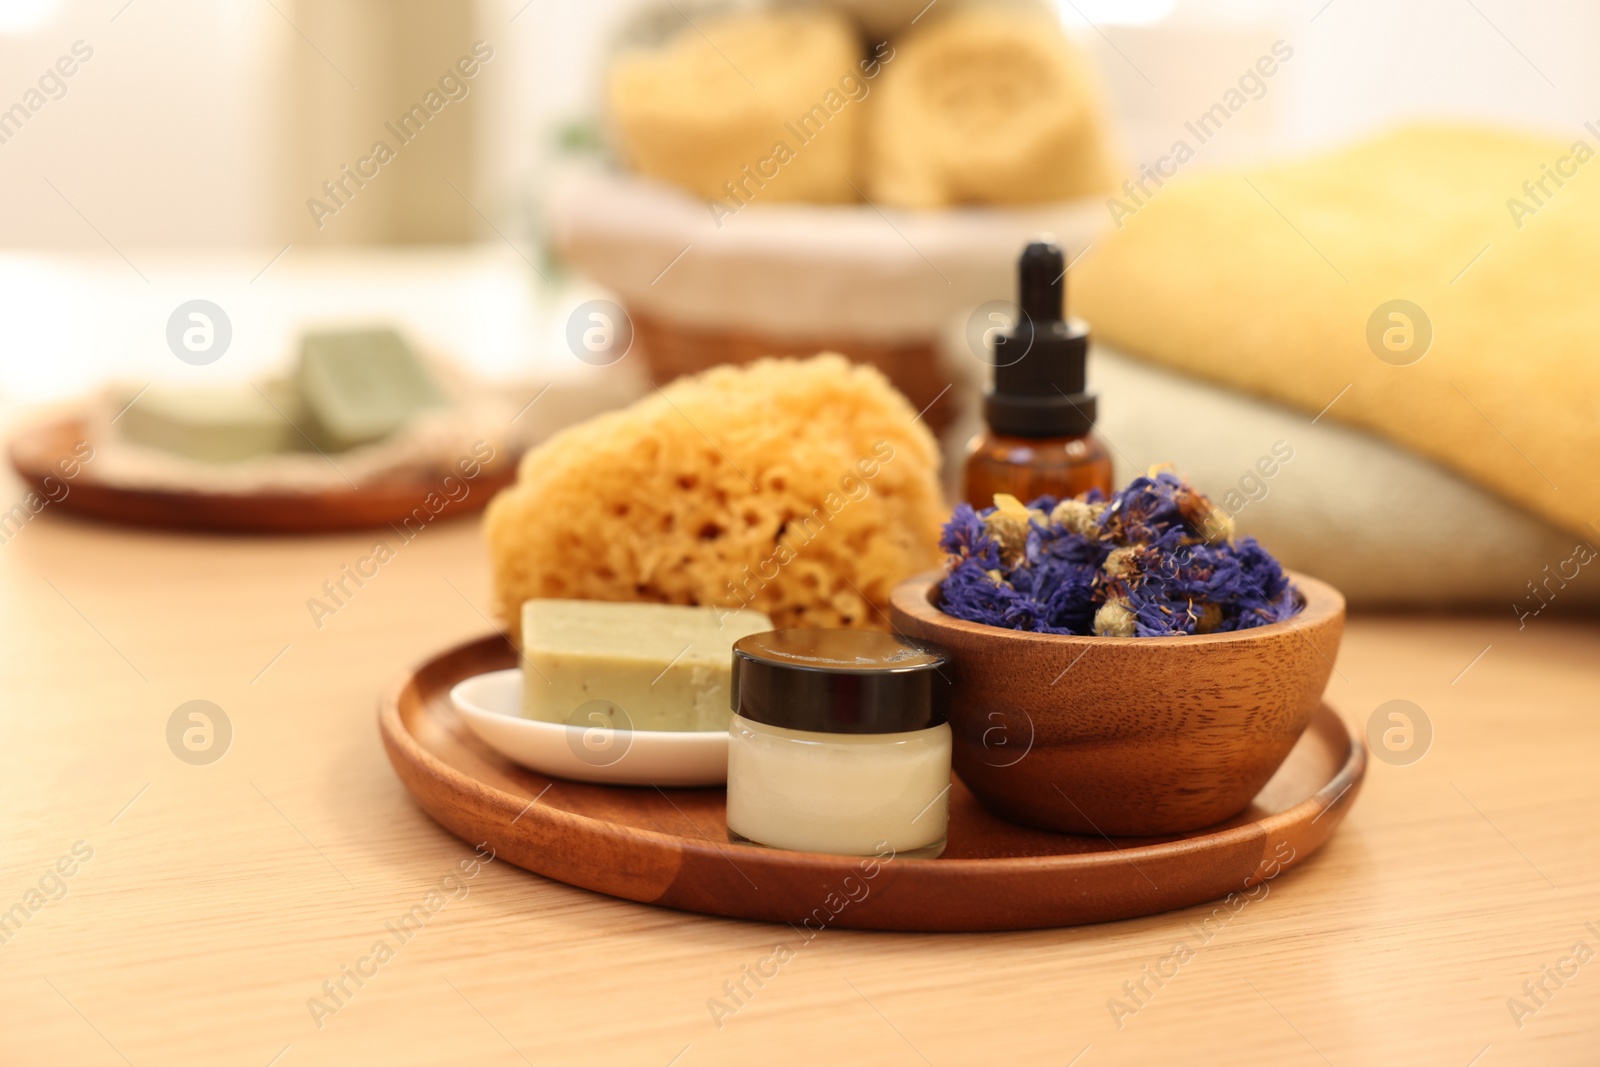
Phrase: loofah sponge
(762, 106)
(986, 105)
(804, 489)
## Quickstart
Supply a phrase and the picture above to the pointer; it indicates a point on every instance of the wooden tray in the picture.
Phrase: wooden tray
(36, 451)
(669, 847)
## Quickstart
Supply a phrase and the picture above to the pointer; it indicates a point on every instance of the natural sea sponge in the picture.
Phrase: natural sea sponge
(802, 488)
(986, 105)
(767, 103)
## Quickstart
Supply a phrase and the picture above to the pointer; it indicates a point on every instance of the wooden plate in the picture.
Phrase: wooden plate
(669, 846)
(36, 451)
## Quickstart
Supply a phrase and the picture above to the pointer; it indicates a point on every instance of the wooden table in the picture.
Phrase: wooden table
(219, 898)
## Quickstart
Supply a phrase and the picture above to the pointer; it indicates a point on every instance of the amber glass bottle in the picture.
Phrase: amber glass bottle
(1039, 413)
(1031, 467)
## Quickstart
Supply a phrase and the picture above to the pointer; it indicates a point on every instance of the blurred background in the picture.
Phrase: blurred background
(200, 150)
(204, 125)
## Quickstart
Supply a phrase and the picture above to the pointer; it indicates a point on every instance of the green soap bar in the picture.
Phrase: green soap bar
(218, 425)
(361, 386)
(667, 667)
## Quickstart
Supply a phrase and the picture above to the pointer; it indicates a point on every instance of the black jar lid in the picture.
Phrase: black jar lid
(839, 682)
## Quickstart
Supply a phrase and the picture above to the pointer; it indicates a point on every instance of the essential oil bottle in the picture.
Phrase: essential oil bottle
(1039, 412)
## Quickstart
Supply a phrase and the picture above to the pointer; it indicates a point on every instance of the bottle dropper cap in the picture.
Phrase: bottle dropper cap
(1039, 386)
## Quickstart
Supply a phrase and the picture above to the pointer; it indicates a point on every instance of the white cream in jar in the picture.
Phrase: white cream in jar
(839, 743)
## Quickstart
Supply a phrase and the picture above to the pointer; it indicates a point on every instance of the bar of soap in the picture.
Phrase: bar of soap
(361, 386)
(215, 425)
(668, 667)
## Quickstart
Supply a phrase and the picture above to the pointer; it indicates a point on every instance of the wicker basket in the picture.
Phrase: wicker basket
(672, 349)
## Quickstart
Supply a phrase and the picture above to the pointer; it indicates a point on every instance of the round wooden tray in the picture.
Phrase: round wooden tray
(669, 846)
(36, 451)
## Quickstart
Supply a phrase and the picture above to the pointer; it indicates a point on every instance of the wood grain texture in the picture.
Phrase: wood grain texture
(222, 897)
(1126, 735)
(36, 451)
(669, 847)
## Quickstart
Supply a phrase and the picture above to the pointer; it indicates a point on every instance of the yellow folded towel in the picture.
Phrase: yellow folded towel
(1279, 282)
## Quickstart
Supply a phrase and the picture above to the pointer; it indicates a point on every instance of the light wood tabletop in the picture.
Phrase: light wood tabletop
(178, 912)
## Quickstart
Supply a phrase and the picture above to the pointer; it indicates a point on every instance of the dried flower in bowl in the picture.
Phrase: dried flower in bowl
(1155, 560)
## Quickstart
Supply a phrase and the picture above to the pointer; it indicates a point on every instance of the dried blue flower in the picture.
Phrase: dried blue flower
(965, 537)
(1155, 559)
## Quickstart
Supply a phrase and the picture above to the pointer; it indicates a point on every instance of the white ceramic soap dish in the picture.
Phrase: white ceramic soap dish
(491, 706)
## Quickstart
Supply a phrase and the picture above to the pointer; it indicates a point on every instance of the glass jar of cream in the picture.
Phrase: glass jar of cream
(839, 743)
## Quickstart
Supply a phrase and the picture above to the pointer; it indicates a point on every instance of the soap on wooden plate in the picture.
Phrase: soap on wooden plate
(215, 425)
(665, 666)
(361, 386)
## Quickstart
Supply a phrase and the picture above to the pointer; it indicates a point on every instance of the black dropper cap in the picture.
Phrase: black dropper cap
(1039, 365)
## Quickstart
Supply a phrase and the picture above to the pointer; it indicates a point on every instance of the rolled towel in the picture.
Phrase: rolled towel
(1386, 526)
(756, 105)
(986, 105)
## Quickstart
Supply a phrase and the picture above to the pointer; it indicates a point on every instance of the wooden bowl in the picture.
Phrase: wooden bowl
(1126, 735)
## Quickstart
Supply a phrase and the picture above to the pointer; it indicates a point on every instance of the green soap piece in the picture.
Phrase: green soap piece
(667, 667)
(214, 425)
(361, 386)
